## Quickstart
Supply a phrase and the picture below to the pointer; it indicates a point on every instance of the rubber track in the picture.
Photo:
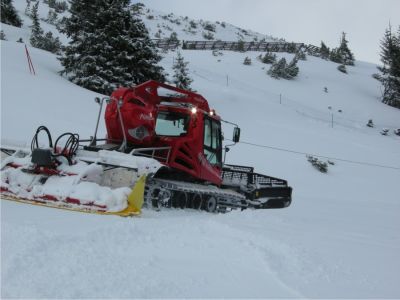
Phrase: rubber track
(226, 198)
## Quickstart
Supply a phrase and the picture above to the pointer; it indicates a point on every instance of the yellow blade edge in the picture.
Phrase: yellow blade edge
(135, 198)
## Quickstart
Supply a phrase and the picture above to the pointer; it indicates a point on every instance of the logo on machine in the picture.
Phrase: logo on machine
(146, 117)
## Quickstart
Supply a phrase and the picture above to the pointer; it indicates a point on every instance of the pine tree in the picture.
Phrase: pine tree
(342, 68)
(342, 54)
(49, 43)
(281, 69)
(278, 69)
(291, 48)
(9, 15)
(193, 24)
(208, 35)
(208, 26)
(324, 51)
(137, 9)
(60, 6)
(40, 40)
(318, 164)
(390, 71)
(247, 61)
(2, 36)
(36, 38)
(240, 46)
(300, 55)
(52, 17)
(370, 123)
(181, 77)
(387, 50)
(268, 58)
(51, 3)
(335, 56)
(173, 37)
(346, 54)
(28, 8)
(292, 70)
(109, 46)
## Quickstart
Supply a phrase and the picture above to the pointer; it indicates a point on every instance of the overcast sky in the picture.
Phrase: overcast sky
(308, 21)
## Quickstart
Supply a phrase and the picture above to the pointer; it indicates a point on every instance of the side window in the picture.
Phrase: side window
(212, 141)
(207, 133)
(216, 143)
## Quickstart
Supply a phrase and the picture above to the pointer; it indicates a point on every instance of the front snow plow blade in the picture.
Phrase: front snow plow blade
(135, 201)
(134, 206)
(104, 183)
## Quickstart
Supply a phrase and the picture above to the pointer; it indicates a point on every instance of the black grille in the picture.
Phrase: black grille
(244, 175)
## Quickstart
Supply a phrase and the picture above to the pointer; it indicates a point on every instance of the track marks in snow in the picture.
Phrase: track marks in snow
(297, 266)
(176, 255)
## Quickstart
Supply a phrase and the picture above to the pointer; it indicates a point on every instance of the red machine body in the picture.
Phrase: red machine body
(160, 116)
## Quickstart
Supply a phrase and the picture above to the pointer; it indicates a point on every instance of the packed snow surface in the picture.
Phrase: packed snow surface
(339, 238)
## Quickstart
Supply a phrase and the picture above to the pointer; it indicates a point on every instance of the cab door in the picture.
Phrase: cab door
(212, 150)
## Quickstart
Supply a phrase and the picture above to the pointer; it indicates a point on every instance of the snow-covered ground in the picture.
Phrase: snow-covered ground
(161, 25)
(339, 238)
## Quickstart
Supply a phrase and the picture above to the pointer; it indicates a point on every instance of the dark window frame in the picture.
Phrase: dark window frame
(215, 149)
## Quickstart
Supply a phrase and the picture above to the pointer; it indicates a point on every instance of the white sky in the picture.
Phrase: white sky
(308, 21)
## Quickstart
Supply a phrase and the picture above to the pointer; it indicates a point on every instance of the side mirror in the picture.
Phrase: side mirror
(236, 135)
(97, 100)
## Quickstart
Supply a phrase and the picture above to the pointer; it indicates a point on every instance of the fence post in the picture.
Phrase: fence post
(280, 98)
(332, 120)
(227, 80)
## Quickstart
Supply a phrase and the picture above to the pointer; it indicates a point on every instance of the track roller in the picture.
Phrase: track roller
(180, 200)
(211, 204)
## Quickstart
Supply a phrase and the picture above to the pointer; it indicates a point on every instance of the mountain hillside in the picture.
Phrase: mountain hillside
(338, 239)
(160, 25)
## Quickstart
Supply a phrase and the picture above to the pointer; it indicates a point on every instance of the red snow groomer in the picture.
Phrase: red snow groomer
(172, 136)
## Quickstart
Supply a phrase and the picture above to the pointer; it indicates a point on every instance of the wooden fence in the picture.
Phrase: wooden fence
(235, 46)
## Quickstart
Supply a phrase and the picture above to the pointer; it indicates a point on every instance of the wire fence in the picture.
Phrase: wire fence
(321, 156)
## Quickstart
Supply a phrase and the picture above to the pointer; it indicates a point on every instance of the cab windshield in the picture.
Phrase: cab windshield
(172, 123)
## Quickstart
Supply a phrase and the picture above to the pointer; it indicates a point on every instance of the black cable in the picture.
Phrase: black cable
(70, 146)
(322, 156)
(35, 142)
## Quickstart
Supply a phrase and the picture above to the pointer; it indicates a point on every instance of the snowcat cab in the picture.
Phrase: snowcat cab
(172, 125)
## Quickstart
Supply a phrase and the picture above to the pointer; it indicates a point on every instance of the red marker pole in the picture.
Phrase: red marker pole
(30, 64)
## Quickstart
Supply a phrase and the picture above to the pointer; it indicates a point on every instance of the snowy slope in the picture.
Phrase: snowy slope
(339, 238)
(156, 22)
(190, 30)
(15, 33)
